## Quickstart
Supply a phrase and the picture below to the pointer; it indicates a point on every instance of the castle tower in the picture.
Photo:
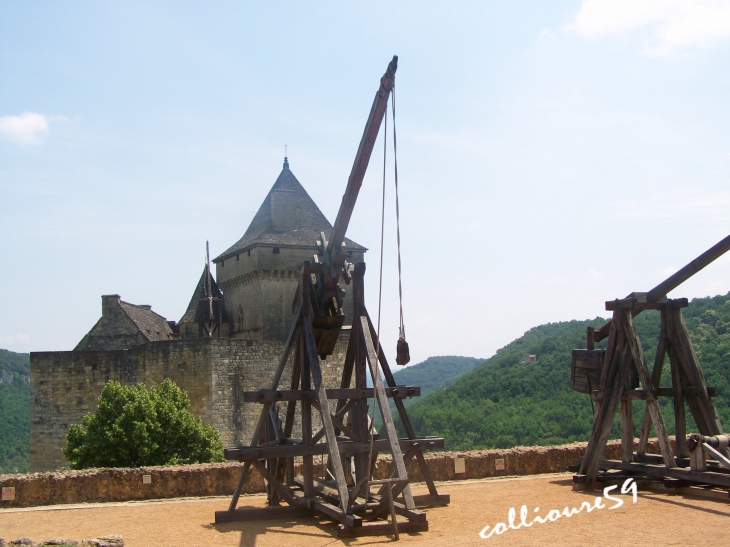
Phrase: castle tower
(257, 274)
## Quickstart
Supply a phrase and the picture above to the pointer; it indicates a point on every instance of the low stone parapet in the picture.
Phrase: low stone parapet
(219, 479)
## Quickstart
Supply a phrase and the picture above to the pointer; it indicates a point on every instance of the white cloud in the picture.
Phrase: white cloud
(675, 24)
(28, 128)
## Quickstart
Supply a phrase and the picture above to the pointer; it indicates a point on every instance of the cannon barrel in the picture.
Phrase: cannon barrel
(673, 281)
(364, 151)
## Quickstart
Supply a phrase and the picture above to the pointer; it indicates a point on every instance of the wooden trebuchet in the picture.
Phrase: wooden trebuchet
(344, 490)
(624, 377)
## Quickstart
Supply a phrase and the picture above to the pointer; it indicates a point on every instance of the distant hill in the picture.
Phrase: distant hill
(14, 412)
(435, 373)
(502, 403)
(430, 375)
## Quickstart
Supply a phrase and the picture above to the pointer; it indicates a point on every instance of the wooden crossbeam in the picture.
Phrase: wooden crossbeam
(273, 395)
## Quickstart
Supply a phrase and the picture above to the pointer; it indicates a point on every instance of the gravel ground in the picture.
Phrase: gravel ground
(655, 519)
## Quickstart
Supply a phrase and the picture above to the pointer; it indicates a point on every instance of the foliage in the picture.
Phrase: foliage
(18, 363)
(435, 373)
(501, 403)
(15, 413)
(134, 427)
(430, 375)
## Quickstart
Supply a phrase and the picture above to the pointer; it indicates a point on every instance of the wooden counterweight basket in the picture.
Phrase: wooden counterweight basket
(585, 369)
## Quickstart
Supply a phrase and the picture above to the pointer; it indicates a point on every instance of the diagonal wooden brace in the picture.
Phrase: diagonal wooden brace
(324, 408)
(400, 467)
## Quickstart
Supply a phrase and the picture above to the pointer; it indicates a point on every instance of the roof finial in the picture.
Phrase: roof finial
(286, 159)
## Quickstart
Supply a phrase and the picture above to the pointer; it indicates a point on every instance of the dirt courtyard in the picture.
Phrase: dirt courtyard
(655, 519)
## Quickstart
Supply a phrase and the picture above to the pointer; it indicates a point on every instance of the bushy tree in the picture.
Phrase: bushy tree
(136, 426)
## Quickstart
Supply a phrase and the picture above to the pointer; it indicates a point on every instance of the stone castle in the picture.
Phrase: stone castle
(214, 357)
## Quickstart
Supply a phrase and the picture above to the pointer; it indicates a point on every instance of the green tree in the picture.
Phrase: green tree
(134, 426)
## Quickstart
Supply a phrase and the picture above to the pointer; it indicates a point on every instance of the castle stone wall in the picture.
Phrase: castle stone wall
(65, 385)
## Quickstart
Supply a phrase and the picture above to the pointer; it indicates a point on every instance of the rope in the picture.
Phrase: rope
(402, 333)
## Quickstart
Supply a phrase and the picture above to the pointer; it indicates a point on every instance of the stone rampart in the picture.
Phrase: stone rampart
(65, 385)
(116, 485)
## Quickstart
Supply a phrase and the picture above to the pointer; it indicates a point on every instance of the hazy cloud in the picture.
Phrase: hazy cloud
(28, 128)
(19, 338)
(546, 34)
(675, 24)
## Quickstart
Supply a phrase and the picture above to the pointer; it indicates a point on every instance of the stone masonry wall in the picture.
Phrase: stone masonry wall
(66, 385)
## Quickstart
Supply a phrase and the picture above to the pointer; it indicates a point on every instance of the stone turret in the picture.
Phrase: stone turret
(257, 274)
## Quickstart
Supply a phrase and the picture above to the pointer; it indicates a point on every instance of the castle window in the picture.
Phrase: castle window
(276, 250)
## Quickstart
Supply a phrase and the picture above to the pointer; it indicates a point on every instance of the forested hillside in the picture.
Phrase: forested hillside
(430, 375)
(14, 412)
(435, 373)
(503, 404)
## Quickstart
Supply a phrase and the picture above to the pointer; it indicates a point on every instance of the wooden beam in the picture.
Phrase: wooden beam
(284, 491)
(334, 456)
(702, 477)
(627, 431)
(242, 478)
(405, 420)
(627, 395)
(400, 468)
(336, 513)
(614, 374)
(633, 343)
(362, 158)
(273, 395)
(656, 378)
(700, 404)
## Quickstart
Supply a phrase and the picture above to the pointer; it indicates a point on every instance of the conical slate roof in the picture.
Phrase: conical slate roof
(287, 217)
(194, 311)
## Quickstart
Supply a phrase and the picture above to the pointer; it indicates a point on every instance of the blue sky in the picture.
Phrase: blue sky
(552, 155)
